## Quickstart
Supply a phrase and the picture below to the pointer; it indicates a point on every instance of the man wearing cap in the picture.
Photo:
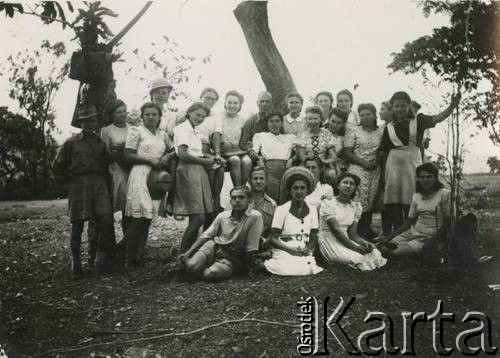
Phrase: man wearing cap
(82, 163)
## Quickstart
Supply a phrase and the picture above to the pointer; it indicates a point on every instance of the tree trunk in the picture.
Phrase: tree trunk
(252, 16)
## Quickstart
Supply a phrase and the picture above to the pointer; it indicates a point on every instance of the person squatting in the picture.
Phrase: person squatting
(305, 183)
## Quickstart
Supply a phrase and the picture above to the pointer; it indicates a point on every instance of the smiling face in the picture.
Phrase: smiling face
(160, 95)
(294, 105)
(258, 181)
(274, 124)
(151, 118)
(367, 118)
(426, 180)
(209, 99)
(298, 190)
(324, 102)
(239, 200)
(197, 117)
(344, 102)
(336, 124)
(400, 108)
(347, 186)
(120, 116)
(313, 121)
(264, 102)
(233, 105)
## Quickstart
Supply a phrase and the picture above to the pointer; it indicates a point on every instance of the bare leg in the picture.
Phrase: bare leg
(235, 169)
(246, 168)
(191, 233)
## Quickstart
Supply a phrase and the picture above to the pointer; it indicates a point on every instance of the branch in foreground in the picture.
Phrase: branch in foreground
(167, 335)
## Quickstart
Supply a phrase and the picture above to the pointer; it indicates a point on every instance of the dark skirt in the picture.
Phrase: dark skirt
(275, 169)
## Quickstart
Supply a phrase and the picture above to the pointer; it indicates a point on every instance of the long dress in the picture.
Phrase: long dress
(331, 248)
(115, 137)
(430, 213)
(295, 234)
(148, 145)
(365, 145)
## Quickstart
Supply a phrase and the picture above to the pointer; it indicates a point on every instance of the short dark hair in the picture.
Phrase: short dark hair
(151, 105)
(429, 168)
(347, 93)
(339, 113)
(273, 113)
(341, 177)
(315, 110)
(294, 94)
(257, 168)
(245, 189)
(320, 166)
(324, 93)
(195, 106)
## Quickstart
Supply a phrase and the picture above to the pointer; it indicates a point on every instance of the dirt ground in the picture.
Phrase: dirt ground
(148, 314)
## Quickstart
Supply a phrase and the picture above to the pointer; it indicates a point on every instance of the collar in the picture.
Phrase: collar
(247, 212)
(290, 119)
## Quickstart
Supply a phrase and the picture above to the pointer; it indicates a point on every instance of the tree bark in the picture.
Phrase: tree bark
(253, 19)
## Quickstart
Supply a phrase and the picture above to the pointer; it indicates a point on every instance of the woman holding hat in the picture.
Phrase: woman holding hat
(401, 140)
(193, 196)
(339, 241)
(361, 151)
(144, 147)
(114, 137)
(293, 235)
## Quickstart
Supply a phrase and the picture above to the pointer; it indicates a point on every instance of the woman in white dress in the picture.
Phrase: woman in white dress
(339, 242)
(294, 229)
(114, 137)
(322, 190)
(144, 147)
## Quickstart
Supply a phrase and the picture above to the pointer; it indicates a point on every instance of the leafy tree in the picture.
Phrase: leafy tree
(494, 164)
(34, 78)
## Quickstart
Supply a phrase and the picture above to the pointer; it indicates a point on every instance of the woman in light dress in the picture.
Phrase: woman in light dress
(322, 190)
(361, 151)
(144, 148)
(339, 242)
(429, 214)
(114, 137)
(294, 229)
(239, 162)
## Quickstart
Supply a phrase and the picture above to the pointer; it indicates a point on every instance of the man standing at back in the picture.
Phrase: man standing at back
(256, 123)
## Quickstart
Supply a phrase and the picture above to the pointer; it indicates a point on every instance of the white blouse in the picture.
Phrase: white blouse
(185, 134)
(272, 146)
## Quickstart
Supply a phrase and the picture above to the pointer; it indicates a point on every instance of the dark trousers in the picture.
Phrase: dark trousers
(101, 236)
(396, 214)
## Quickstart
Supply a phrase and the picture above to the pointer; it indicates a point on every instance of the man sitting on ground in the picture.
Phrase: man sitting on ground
(229, 244)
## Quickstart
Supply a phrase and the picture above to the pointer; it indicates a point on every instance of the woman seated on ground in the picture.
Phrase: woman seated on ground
(272, 150)
(322, 190)
(319, 142)
(339, 241)
(429, 213)
(239, 162)
(293, 234)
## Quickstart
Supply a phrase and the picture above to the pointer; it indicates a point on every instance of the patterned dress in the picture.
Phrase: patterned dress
(231, 134)
(316, 145)
(331, 248)
(365, 145)
(148, 145)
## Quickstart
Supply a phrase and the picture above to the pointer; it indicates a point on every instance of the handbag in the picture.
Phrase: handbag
(159, 183)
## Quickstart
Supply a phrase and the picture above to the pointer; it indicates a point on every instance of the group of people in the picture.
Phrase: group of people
(305, 184)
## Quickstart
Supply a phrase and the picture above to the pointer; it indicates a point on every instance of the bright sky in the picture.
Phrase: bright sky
(327, 45)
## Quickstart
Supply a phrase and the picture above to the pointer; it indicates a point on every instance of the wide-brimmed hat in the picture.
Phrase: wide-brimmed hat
(295, 173)
(159, 83)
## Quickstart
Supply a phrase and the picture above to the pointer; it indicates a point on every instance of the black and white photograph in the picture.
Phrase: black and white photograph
(246, 178)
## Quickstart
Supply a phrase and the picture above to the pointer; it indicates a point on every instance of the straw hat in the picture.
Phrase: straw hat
(295, 173)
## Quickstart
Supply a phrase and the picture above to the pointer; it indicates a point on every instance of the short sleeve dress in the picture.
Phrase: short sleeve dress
(115, 137)
(153, 146)
(295, 234)
(332, 249)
